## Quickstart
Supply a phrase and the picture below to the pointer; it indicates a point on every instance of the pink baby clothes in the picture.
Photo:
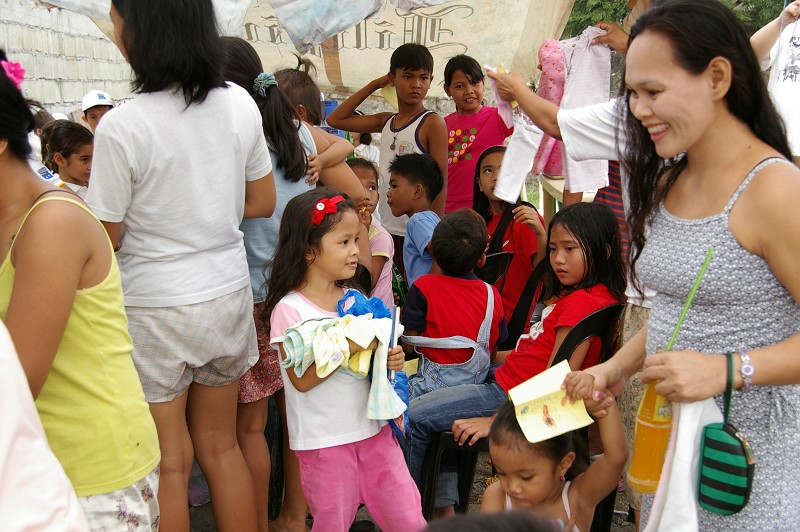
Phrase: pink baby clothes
(551, 87)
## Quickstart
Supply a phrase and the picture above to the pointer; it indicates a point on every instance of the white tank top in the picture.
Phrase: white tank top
(564, 501)
(396, 142)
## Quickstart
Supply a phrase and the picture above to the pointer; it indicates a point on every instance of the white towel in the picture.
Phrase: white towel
(675, 506)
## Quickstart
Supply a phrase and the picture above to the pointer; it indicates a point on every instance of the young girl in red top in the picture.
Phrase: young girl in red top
(585, 274)
(515, 228)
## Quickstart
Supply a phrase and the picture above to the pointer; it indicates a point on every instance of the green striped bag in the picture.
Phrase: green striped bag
(726, 463)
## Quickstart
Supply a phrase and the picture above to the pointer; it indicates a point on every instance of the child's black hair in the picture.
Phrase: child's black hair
(480, 203)
(458, 241)
(16, 118)
(365, 138)
(41, 116)
(466, 64)
(419, 169)
(301, 89)
(518, 521)
(411, 56)
(278, 117)
(172, 43)
(506, 432)
(297, 237)
(64, 137)
(596, 231)
(365, 164)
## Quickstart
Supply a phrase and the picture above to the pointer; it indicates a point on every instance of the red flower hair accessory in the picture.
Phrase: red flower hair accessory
(323, 207)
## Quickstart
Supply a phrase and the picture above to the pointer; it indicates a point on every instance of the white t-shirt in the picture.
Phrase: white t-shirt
(333, 412)
(590, 133)
(369, 152)
(35, 493)
(175, 177)
(784, 82)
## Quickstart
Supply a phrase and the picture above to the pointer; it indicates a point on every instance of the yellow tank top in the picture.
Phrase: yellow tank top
(92, 405)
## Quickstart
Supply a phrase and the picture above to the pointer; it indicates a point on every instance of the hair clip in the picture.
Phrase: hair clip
(14, 71)
(263, 82)
(323, 207)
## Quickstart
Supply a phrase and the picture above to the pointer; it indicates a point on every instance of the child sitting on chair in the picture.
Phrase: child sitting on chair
(455, 319)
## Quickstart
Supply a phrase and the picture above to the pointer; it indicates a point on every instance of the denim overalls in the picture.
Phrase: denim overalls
(431, 375)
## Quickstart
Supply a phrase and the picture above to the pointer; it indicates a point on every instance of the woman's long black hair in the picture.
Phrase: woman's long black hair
(278, 117)
(699, 31)
(172, 42)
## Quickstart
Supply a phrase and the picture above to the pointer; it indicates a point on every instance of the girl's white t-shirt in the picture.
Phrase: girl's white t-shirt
(333, 412)
(175, 177)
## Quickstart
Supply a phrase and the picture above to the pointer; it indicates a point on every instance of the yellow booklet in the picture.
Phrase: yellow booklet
(543, 408)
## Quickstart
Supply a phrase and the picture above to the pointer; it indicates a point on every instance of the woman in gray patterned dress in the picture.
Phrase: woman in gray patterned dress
(708, 159)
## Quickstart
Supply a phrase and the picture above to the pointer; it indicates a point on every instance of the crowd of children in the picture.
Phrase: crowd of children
(240, 228)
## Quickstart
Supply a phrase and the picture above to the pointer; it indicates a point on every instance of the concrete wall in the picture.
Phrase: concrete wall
(65, 55)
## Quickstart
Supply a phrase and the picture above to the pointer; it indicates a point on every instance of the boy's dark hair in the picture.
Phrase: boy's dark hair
(411, 56)
(596, 231)
(242, 65)
(466, 64)
(172, 42)
(360, 162)
(366, 138)
(458, 241)
(16, 118)
(64, 137)
(301, 89)
(419, 169)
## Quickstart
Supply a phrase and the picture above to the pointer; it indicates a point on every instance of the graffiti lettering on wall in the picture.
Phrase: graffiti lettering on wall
(431, 27)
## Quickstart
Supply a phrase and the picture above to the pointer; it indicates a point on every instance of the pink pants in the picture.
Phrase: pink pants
(337, 479)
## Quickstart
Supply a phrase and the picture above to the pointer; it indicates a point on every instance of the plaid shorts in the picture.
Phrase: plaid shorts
(212, 343)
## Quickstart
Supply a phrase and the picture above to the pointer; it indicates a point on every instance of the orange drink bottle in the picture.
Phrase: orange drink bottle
(653, 425)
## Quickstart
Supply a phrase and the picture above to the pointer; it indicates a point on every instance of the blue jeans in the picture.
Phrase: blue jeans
(435, 412)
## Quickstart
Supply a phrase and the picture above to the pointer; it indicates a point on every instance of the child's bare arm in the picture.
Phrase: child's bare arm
(433, 135)
(343, 118)
(494, 499)
(308, 380)
(337, 150)
(604, 473)
(406, 347)
(378, 261)
(530, 217)
(576, 360)
(364, 251)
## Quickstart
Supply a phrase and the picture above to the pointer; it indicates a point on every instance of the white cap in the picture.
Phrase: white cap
(94, 98)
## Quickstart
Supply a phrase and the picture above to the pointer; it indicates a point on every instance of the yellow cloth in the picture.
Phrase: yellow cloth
(92, 405)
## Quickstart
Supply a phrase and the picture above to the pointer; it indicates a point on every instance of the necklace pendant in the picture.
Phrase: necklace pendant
(393, 146)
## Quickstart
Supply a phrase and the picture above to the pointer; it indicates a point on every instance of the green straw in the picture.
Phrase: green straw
(689, 299)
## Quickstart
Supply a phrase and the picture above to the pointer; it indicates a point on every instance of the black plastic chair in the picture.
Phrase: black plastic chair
(521, 316)
(495, 267)
(603, 323)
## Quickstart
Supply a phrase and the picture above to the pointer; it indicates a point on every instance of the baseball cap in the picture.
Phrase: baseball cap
(94, 98)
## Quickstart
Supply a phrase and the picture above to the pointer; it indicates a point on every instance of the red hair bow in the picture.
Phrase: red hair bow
(323, 207)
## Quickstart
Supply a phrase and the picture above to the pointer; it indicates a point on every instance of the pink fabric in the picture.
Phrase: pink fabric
(337, 479)
(467, 137)
(381, 244)
(551, 87)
